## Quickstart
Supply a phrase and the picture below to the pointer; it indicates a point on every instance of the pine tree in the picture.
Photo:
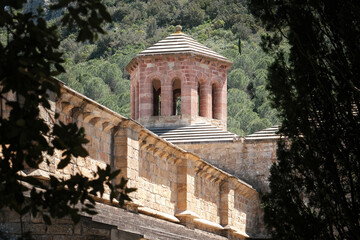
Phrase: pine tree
(315, 86)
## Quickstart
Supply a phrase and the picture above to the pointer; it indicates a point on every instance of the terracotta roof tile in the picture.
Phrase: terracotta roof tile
(178, 43)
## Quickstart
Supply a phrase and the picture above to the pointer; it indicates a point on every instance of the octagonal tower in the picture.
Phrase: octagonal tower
(179, 82)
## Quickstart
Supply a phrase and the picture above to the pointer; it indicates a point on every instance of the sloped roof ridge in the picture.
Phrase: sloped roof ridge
(178, 43)
(265, 134)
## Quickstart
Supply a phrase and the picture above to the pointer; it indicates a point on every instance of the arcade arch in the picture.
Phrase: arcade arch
(202, 103)
(156, 87)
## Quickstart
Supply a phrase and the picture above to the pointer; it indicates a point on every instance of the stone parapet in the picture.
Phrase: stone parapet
(249, 160)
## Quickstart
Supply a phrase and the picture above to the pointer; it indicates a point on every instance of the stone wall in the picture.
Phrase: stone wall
(206, 198)
(250, 160)
(111, 223)
(173, 185)
(86, 229)
(157, 178)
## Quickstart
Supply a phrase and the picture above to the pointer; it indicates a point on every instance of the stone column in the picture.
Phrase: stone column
(223, 102)
(189, 97)
(146, 99)
(184, 184)
(126, 154)
(133, 156)
(224, 203)
(181, 204)
(217, 95)
(136, 101)
(132, 97)
(166, 99)
(120, 152)
(205, 100)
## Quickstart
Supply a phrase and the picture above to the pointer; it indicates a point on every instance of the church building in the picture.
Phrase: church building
(194, 179)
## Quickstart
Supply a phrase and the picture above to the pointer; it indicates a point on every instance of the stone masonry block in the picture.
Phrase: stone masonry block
(59, 229)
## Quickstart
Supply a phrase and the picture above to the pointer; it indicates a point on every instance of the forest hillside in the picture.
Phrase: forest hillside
(97, 69)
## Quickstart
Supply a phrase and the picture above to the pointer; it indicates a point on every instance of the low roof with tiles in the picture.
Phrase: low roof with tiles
(265, 134)
(205, 133)
(194, 134)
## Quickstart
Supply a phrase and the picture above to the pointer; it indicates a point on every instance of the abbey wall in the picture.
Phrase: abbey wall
(175, 187)
(249, 160)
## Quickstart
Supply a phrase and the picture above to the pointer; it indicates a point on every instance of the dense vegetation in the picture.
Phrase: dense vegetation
(315, 184)
(97, 69)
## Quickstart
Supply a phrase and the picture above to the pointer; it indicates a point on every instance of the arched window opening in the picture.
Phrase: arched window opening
(156, 97)
(202, 99)
(176, 87)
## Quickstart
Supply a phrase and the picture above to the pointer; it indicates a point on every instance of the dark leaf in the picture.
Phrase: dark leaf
(46, 219)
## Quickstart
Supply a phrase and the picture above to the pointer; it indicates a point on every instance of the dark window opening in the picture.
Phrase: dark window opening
(156, 98)
(176, 104)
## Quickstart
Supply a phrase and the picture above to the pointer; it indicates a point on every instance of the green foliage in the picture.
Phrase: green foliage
(314, 84)
(30, 59)
(102, 81)
(192, 14)
(241, 116)
(238, 79)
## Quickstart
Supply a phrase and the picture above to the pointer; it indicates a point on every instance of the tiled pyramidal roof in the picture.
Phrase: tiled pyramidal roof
(180, 43)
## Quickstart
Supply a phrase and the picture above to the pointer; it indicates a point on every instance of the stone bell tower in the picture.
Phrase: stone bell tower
(179, 82)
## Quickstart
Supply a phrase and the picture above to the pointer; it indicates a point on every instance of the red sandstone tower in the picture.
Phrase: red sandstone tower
(178, 82)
